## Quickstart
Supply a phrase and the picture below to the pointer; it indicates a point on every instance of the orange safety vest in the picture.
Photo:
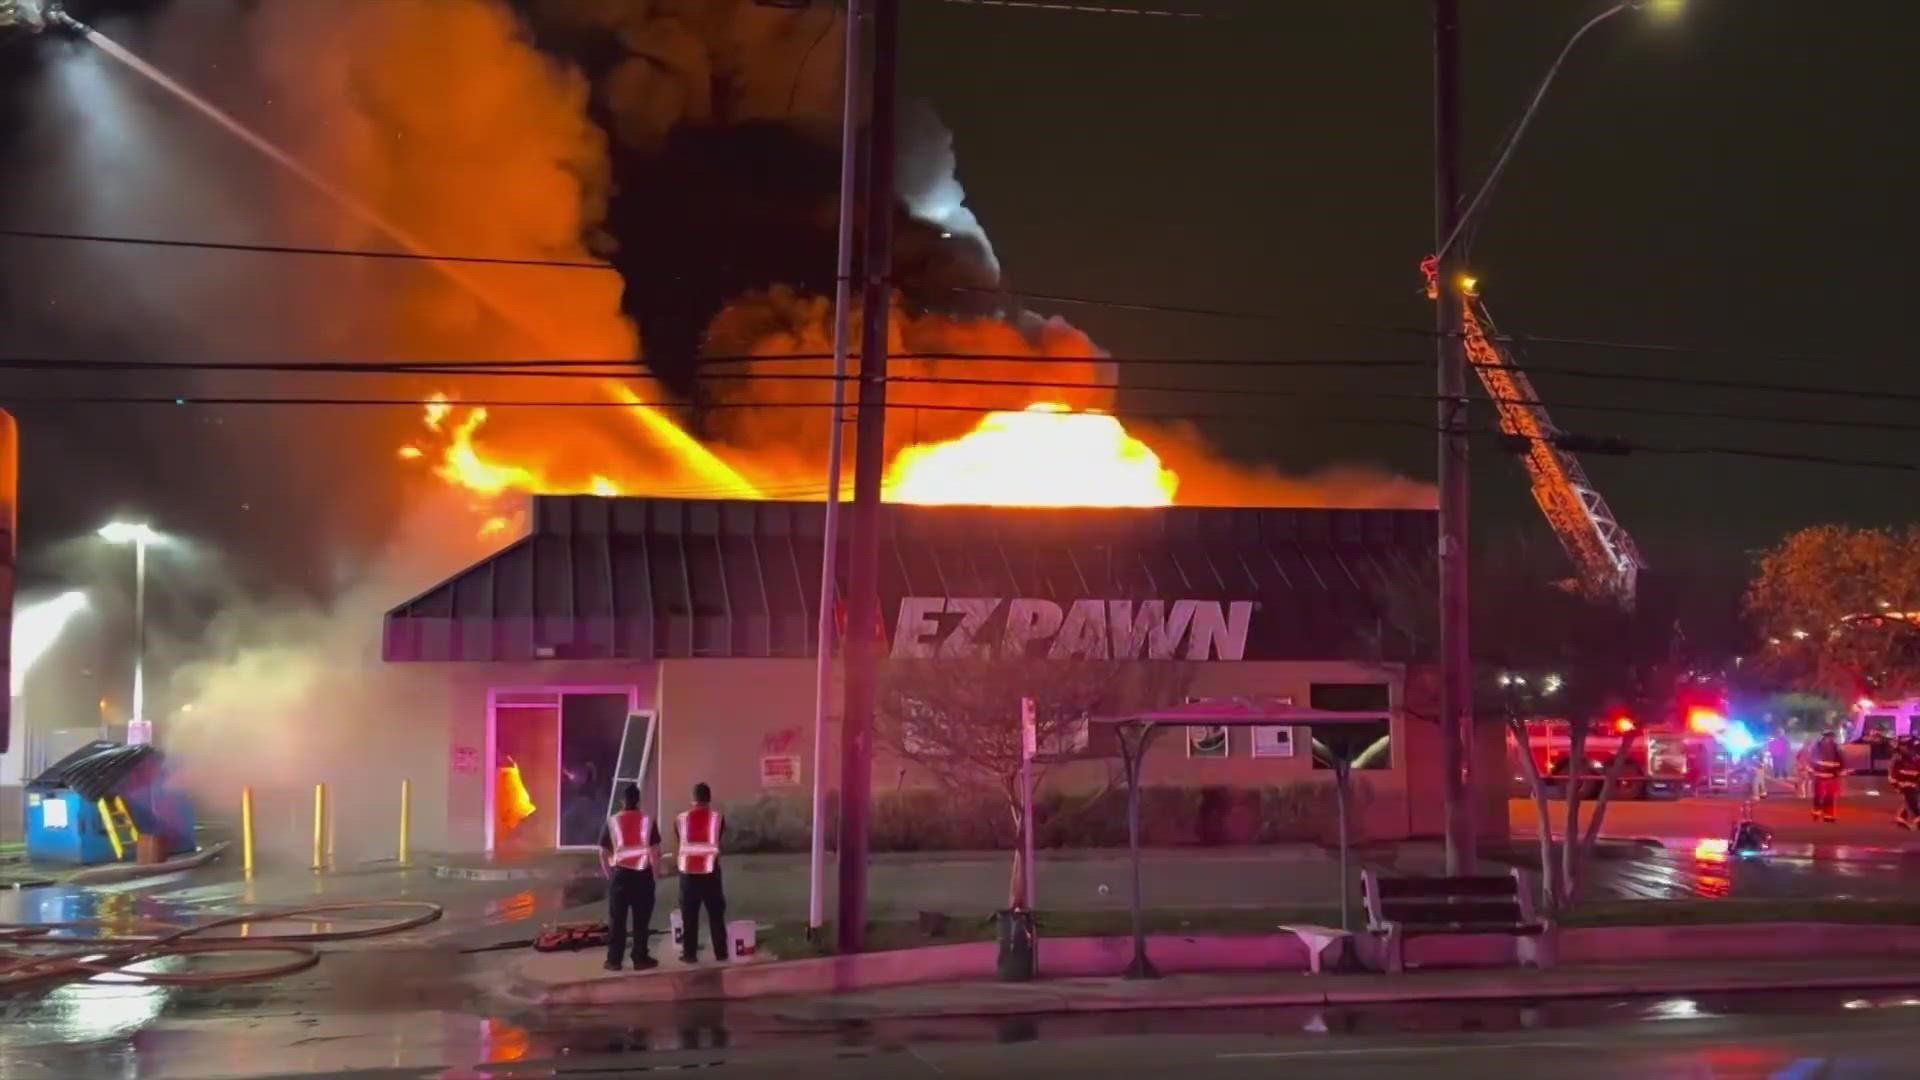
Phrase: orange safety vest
(699, 830)
(629, 830)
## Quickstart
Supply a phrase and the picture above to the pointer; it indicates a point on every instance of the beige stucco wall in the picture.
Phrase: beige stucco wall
(721, 717)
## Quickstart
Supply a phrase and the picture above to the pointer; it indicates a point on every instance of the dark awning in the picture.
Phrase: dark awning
(634, 578)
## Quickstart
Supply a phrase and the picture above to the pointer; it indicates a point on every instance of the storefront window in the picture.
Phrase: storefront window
(1365, 742)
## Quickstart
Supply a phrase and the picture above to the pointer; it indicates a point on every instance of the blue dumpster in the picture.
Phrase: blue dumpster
(64, 822)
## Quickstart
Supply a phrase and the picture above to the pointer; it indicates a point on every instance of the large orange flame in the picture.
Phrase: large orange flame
(1044, 455)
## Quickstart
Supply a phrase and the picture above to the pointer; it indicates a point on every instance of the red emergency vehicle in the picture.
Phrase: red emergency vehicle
(1676, 754)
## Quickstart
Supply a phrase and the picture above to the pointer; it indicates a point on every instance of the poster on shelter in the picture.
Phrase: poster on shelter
(1206, 741)
(780, 770)
(1272, 742)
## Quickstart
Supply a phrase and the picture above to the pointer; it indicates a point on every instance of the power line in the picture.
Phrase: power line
(619, 369)
(1623, 446)
(584, 368)
(1503, 337)
(1088, 9)
(298, 249)
(603, 370)
(1508, 338)
(1558, 405)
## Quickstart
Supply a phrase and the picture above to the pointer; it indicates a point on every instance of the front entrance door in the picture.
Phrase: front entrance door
(553, 755)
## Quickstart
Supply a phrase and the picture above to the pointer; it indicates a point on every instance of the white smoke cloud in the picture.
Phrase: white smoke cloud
(928, 178)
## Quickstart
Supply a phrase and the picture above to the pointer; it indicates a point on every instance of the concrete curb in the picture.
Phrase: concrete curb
(1060, 958)
(1495, 990)
(472, 873)
(1279, 953)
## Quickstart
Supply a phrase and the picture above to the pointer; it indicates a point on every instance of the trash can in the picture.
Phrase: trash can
(1019, 946)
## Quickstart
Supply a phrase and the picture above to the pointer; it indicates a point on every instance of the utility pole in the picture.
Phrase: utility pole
(1456, 673)
(852, 97)
(861, 647)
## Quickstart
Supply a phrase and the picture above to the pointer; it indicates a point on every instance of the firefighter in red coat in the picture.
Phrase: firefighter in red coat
(1905, 774)
(630, 847)
(1827, 767)
(698, 853)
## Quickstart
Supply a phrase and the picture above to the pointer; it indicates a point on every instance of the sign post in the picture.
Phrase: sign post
(1029, 746)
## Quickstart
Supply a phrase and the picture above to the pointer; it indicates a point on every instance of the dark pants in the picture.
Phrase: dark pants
(1826, 793)
(630, 893)
(708, 891)
(1912, 795)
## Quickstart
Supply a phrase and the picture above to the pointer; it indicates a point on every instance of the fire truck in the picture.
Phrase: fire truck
(1673, 756)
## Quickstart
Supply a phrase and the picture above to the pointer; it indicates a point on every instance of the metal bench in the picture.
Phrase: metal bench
(1402, 907)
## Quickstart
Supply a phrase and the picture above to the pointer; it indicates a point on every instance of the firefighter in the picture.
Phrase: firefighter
(630, 849)
(1827, 766)
(698, 833)
(1905, 774)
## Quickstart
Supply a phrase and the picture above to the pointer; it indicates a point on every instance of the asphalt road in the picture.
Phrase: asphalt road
(1790, 1037)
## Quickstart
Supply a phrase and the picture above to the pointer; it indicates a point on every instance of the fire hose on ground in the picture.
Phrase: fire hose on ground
(45, 961)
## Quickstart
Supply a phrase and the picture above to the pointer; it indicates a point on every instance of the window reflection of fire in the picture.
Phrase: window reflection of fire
(512, 804)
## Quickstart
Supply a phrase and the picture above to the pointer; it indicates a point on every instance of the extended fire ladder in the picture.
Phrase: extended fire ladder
(1606, 558)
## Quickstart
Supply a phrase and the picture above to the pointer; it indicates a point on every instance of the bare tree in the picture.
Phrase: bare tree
(1604, 660)
(958, 719)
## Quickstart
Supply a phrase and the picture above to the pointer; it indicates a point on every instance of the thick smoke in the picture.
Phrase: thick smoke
(691, 143)
(725, 123)
(436, 114)
(440, 116)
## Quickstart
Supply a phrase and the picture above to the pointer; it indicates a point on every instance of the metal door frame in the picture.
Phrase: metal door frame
(557, 691)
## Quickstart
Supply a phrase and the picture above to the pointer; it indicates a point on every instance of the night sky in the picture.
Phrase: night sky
(1738, 181)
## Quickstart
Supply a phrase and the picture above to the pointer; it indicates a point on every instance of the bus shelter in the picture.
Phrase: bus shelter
(1129, 738)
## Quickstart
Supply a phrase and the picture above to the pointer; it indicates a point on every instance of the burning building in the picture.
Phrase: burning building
(703, 613)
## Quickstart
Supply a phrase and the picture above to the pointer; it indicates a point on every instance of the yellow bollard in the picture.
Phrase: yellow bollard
(319, 827)
(406, 821)
(246, 830)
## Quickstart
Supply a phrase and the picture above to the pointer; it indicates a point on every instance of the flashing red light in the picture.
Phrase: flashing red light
(1623, 724)
(1711, 850)
(1865, 704)
(1705, 721)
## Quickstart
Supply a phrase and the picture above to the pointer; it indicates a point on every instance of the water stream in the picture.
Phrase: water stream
(668, 433)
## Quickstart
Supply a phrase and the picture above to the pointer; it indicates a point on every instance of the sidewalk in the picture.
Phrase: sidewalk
(1296, 989)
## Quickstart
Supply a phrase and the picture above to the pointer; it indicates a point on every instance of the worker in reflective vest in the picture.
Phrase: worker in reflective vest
(698, 831)
(630, 848)
(1827, 767)
(1905, 774)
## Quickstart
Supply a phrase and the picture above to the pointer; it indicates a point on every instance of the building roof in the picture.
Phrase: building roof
(638, 578)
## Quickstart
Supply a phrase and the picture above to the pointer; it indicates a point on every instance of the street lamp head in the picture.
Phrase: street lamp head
(126, 532)
(1664, 9)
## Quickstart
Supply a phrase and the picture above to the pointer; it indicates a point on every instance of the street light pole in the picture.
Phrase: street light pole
(139, 731)
(1452, 221)
(139, 728)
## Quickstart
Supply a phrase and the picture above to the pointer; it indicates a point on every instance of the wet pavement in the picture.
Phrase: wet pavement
(398, 1033)
(415, 1004)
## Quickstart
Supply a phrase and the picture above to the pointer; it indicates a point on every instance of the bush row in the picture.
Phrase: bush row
(942, 820)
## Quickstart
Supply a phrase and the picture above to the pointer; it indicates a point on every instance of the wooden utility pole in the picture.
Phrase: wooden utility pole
(1456, 673)
(853, 97)
(862, 646)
